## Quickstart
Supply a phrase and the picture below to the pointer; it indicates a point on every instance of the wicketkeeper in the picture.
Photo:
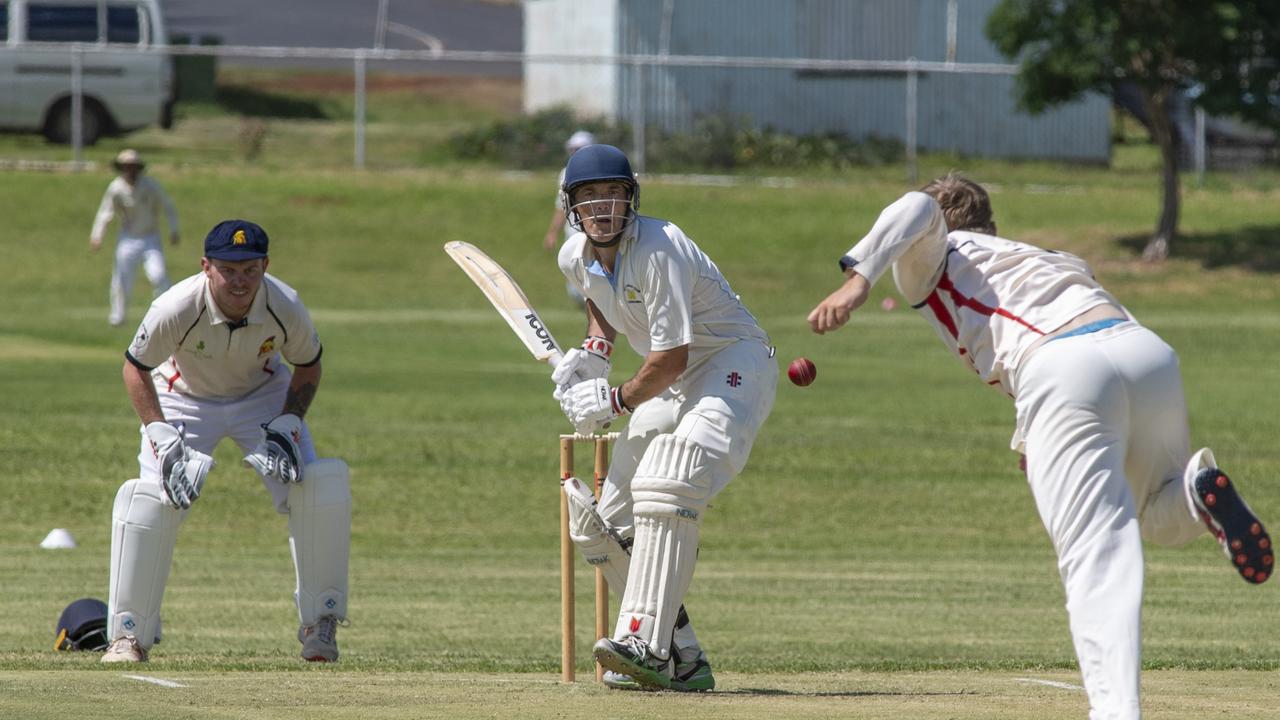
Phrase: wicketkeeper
(1101, 418)
(207, 363)
(704, 389)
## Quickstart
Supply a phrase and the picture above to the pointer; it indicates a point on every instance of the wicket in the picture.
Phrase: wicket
(567, 632)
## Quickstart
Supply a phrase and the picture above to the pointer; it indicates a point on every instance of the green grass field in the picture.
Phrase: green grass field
(879, 558)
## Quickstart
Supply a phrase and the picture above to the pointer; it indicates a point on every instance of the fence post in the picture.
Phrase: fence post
(912, 92)
(77, 105)
(637, 127)
(1200, 148)
(360, 109)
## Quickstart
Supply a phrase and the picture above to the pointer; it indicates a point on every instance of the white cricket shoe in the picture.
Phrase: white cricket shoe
(124, 649)
(320, 641)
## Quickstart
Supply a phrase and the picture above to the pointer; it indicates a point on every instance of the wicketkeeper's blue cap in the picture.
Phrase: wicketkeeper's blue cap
(235, 240)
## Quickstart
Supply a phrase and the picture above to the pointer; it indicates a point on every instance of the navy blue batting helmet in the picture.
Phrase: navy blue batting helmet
(598, 163)
(82, 626)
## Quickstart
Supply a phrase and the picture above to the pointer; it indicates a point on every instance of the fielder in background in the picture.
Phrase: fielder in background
(207, 363)
(1101, 418)
(697, 402)
(137, 199)
(560, 229)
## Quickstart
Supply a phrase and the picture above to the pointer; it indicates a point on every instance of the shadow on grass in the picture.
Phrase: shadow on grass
(1256, 247)
(249, 102)
(775, 692)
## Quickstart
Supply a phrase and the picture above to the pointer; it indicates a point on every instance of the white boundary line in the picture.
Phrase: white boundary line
(1050, 683)
(156, 681)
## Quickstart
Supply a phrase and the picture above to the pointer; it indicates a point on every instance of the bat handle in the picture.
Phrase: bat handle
(554, 358)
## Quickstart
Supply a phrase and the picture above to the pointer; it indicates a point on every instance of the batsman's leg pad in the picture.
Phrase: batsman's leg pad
(601, 546)
(144, 531)
(320, 536)
(671, 487)
(674, 478)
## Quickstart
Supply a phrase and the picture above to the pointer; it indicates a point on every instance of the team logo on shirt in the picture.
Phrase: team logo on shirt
(238, 238)
(198, 351)
(141, 338)
(267, 346)
(631, 294)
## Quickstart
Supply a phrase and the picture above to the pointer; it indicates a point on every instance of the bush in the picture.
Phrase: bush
(716, 142)
(531, 141)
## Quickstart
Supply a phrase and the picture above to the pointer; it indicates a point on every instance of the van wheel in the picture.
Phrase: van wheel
(93, 122)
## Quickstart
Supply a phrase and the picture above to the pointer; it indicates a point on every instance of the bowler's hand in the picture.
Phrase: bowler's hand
(833, 312)
(95, 244)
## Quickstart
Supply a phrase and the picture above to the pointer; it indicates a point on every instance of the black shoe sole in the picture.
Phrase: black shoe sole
(1238, 530)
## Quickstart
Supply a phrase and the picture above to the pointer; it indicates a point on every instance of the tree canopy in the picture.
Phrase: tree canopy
(1224, 55)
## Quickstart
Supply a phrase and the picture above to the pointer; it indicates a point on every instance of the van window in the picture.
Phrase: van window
(62, 23)
(122, 25)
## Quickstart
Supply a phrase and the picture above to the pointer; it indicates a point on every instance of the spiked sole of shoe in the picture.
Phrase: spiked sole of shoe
(623, 665)
(1242, 535)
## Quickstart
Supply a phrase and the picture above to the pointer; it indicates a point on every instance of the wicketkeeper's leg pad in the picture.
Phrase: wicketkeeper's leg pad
(320, 536)
(144, 531)
(671, 488)
(601, 545)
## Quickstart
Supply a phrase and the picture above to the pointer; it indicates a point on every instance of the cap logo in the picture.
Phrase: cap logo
(238, 238)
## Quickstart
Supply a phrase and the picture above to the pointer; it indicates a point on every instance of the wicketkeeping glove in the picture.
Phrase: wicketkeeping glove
(592, 404)
(279, 456)
(182, 470)
(589, 362)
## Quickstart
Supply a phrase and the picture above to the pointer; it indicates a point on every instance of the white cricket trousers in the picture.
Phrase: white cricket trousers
(1105, 424)
(131, 252)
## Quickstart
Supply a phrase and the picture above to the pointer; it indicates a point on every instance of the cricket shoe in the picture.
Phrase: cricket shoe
(631, 657)
(320, 641)
(124, 649)
(696, 677)
(1238, 530)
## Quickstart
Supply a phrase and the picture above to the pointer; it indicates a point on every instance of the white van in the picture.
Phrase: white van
(126, 83)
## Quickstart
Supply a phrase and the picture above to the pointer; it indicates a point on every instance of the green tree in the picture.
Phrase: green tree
(1226, 52)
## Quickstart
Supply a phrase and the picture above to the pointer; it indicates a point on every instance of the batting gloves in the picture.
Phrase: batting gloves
(592, 404)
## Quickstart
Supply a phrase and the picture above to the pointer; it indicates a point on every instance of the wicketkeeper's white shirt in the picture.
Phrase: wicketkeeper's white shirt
(192, 348)
(137, 205)
(988, 298)
(664, 292)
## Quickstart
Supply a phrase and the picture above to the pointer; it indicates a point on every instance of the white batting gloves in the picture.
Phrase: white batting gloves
(589, 362)
(592, 404)
(279, 455)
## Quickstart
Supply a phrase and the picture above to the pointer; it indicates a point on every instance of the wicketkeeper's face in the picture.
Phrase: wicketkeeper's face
(604, 208)
(234, 284)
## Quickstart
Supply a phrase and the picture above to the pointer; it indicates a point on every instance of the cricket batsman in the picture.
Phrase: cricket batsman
(209, 362)
(704, 389)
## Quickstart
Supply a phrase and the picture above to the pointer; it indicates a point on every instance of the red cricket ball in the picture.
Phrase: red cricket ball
(802, 371)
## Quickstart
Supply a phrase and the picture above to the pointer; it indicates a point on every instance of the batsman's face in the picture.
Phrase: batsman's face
(234, 284)
(604, 208)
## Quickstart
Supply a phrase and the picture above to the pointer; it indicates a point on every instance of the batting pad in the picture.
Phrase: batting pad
(673, 478)
(662, 560)
(598, 543)
(671, 488)
(320, 537)
(143, 532)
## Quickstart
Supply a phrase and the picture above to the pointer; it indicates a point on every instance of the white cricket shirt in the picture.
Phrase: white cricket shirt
(138, 207)
(988, 298)
(664, 291)
(191, 347)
